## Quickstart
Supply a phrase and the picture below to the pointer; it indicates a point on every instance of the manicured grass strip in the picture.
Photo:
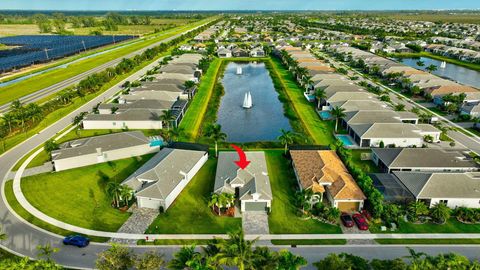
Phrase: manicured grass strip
(12, 201)
(192, 121)
(310, 242)
(319, 130)
(451, 226)
(190, 214)
(31, 85)
(177, 242)
(368, 166)
(284, 219)
(77, 196)
(456, 241)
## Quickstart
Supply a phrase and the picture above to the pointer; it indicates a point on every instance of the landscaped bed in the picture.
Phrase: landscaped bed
(310, 242)
(428, 241)
(190, 214)
(78, 197)
(451, 226)
(284, 218)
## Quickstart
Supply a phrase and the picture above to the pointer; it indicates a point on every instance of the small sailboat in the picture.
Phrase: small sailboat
(247, 101)
(443, 64)
(239, 71)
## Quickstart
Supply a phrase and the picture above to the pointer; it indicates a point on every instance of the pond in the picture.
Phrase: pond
(451, 71)
(263, 121)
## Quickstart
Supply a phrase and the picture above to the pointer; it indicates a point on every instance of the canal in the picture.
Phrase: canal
(263, 121)
(451, 71)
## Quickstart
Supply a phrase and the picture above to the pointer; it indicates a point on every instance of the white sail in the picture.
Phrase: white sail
(443, 64)
(239, 71)
(247, 101)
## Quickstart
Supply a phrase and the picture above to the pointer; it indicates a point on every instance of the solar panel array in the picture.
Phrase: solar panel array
(42, 48)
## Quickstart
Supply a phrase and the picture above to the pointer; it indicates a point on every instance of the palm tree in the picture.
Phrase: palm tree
(182, 257)
(290, 261)
(126, 194)
(303, 199)
(167, 117)
(175, 133)
(3, 235)
(265, 259)
(236, 251)
(416, 209)
(320, 94)
(332, 214)
(214, 201)
(9, 120)
(440, 212)
(338, 113)
(287, 137)
(431, 68)
(420, 63)
(114, 190)
(214, 131)
(46, 251)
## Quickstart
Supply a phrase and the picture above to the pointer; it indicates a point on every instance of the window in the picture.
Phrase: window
(444, 201)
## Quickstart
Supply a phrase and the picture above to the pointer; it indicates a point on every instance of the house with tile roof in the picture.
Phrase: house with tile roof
(324, 173)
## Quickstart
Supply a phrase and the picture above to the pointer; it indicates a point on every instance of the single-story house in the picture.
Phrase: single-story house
(323, 172)
(224, 53)
(104, 148)
(257, 52)
(422, 159)
(159, 181)
(251, 185)
(455, 189)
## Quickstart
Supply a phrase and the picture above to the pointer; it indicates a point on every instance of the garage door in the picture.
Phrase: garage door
(148, 203)
(255, 206)
(348, 206)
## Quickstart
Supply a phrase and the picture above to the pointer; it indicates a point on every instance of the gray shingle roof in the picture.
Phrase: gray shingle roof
(255, 176)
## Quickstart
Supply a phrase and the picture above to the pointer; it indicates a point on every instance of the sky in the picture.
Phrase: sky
(238, 4)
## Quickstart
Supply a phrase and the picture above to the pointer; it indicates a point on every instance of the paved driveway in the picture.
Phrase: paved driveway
(255, 222)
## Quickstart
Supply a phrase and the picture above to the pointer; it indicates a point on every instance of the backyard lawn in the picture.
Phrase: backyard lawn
(320, 131)
(457, 241)
(283, 218)
(192, 121)
(190, 214)
(367, 166)
(76, 196)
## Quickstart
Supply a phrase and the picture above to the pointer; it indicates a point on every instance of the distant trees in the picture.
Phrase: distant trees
(43, 23)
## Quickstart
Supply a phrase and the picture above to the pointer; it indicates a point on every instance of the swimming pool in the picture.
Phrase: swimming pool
(325, 115)
(345, 139)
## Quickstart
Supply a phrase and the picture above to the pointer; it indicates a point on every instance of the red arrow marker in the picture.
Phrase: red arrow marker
(243, 162)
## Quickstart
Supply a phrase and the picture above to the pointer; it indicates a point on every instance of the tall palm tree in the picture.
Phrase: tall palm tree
(431, 68)
(440, 212)
(290, 261)
(167, 117)
(214, 201)
(214, 131)
(114, 190)
(46, 251)
(320, 94)
(287, 137)
(126, 194)
(9, 119)
(182, 257)
(236, 251)
(338, 113)
(265, 259)
(175, 133)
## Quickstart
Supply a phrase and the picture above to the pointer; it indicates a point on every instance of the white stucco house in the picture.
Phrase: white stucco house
(159, 181)
(99, 149)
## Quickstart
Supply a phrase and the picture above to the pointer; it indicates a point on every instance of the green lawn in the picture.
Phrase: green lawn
(192, 121)
(31, 85)
(452, 226)
(180, 242)
(76, 196)
(366, 165)
(283, 219)
(320, 131)
(190, 214)
(12, 201)
(457, 241)
(310, 242)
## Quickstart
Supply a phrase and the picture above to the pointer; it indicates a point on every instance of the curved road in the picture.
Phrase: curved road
(47, 91)
(24, 237)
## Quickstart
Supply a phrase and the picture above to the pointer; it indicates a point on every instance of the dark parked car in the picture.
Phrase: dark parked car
(76, 240)
(360, 221)
(347, 220)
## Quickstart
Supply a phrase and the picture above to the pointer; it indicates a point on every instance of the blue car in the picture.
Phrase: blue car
(76, 240)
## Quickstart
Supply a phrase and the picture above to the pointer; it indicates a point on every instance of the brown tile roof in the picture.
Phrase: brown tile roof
(413, 71)
(447, 89)
(291, 48)
(320, 68)
(318, 168)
